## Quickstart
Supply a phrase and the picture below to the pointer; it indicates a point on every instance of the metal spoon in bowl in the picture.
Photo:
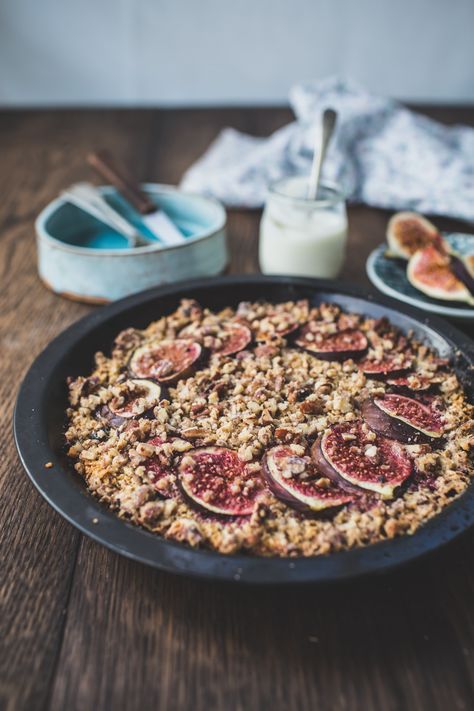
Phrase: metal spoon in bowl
(322, 141)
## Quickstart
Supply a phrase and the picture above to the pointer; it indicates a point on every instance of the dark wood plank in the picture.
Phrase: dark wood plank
(41, 153)
(108, 633)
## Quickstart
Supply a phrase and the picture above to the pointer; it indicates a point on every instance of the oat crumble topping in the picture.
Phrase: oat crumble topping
(185, 457)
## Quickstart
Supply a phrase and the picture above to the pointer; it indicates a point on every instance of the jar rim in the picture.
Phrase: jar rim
(336, 193)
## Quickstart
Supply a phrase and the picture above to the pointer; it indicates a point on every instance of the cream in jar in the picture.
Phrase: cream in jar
(300, 236)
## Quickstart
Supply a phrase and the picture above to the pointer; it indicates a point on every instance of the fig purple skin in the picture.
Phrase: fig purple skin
(393, 426)
(216, 480)
(112, 420)
(413, 412)
(167, 361)
(329, 471)
(350, 343)
(284, 472)
(387, 426)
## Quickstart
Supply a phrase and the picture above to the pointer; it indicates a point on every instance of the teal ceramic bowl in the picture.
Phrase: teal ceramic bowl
(81, 258)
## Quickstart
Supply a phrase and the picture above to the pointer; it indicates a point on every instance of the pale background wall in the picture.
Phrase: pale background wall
(188, 52)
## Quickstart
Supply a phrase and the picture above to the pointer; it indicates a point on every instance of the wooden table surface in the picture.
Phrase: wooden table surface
(81, 627)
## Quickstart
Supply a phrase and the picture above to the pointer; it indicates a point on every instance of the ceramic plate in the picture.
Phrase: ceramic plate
(389, 275)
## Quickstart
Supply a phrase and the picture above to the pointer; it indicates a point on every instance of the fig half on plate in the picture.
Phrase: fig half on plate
(166, 361)
(375, 464)
(408, 232)
(216, 479)
(431, 272)
(403, 418)
(296, 481)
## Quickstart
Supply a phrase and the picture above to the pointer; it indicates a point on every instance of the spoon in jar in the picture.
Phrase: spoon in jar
(321, 144)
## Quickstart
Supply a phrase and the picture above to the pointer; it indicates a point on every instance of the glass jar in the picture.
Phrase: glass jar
(303, 237)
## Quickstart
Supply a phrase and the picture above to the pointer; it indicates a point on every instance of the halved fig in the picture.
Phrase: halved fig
(217, 480)
(407, 232)
(167, 361)
(392, 366)
(138, 396)
(430, 271)
(296, 481)
(224, 338)
(161, 476)
(403, 418)
(350, 343)
(379, 464)
(411, 383)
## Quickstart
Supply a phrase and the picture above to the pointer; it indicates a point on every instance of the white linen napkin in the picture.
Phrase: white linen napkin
(382, 154)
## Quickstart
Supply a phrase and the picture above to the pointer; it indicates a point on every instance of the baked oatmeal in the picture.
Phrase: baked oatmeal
(276, 429)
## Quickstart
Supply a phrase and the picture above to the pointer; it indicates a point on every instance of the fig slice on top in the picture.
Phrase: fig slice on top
(217, 480)
(137, 396)
(373, 463)
(389, 365)
(407, 232)
(349, 343)
(296, 481)
(412, 383)
(226, 337)
(166, 361)
(403, 418)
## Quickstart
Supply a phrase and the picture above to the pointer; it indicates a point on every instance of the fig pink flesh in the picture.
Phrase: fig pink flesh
(217, 480)
(407, 232)
(165, 361)
(294, 479)
(430, 270)
(378, 464)
(237, 338)
(412, 412)
(343, 343)
(385, 366)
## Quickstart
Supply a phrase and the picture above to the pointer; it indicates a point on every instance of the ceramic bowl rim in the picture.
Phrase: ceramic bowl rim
(52, 207)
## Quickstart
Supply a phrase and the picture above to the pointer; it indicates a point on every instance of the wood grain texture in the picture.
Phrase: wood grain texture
(82, 628)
